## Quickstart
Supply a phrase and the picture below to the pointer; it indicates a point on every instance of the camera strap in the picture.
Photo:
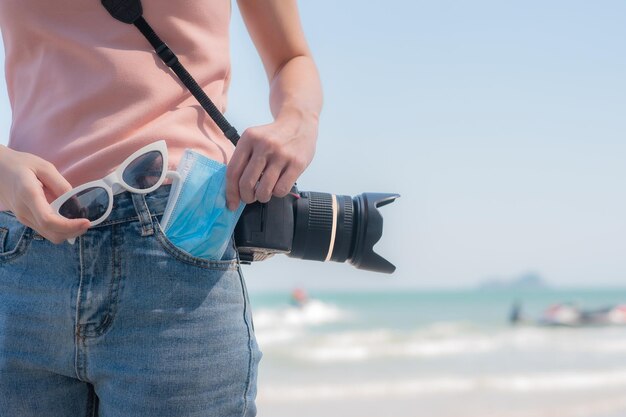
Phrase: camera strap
(130, 12)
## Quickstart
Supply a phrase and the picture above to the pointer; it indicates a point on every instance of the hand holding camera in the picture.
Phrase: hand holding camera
(269, 159)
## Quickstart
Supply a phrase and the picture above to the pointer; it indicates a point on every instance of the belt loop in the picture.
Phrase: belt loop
(139, 201)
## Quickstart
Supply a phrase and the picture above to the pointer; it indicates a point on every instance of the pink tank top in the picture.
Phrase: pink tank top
(86, 90)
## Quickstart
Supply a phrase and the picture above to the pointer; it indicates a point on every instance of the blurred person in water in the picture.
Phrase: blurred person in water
(299, 297)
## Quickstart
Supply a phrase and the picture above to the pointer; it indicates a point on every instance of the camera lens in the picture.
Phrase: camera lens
(340, 228)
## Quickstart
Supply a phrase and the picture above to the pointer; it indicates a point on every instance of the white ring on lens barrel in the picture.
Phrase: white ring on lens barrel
(333, 231)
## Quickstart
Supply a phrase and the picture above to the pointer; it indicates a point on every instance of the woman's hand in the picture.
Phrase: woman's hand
(29, 183)
(269, 159)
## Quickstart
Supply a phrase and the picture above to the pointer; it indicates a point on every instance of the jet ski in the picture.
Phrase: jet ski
(570, 315)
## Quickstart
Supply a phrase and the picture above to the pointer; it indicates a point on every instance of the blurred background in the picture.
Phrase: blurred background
(502, 126)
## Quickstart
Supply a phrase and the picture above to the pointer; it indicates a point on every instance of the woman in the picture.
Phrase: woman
(123, 323)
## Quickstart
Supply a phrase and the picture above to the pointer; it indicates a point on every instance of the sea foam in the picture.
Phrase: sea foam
(562, 381)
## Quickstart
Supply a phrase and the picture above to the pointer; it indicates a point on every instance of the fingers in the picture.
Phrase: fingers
(51, 225)
(286, 181)
(46, 227)
(29, 182)
(234, 170)
(266, 185)
(48, 224)
(267, 161)
(51, 178)
(250, 177)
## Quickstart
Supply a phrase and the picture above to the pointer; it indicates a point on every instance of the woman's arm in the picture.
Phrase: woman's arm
(274, 155)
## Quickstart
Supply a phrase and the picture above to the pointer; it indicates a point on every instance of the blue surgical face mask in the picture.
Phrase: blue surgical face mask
(196, 218)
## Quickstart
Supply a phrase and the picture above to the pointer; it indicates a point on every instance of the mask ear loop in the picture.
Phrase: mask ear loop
(173, 175)
(145, 215)
(147, 218)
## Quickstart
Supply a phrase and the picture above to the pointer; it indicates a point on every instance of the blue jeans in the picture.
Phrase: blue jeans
(123, 323)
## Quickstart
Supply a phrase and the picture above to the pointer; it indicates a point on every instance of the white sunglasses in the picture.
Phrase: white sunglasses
(142, 172)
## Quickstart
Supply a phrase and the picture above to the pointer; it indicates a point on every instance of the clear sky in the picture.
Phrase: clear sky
(502, 124)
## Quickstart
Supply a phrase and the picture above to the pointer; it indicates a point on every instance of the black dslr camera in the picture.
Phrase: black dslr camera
(315, 226)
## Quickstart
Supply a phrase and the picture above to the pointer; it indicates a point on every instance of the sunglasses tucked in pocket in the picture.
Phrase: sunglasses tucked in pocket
(196, 218)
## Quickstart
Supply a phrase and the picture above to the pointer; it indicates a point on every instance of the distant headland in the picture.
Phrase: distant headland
(528, 280)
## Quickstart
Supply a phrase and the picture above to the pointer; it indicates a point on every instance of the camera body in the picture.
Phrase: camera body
(315, 226)
(265, 229)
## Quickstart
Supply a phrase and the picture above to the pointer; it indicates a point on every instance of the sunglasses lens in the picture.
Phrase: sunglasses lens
(91, 204)
(145, 171)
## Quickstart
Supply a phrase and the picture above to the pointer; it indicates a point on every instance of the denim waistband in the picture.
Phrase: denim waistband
(128, 206)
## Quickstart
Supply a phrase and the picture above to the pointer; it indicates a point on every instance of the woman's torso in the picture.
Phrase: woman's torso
(87, 90)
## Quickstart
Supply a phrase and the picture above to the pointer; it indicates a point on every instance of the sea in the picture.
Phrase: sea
(436, 353)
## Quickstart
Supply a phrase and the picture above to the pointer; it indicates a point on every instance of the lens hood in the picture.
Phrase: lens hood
(369, 229)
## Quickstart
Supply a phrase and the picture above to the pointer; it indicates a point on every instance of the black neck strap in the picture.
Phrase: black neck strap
(130, 11)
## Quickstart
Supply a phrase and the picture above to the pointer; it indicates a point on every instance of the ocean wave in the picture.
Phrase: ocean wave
(437, 340)
(313, 313)
(279, 325)
(361, 346)
(563, 381)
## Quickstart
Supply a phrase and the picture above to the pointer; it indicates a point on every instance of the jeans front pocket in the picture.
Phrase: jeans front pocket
(229, 260)
(14, 237)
